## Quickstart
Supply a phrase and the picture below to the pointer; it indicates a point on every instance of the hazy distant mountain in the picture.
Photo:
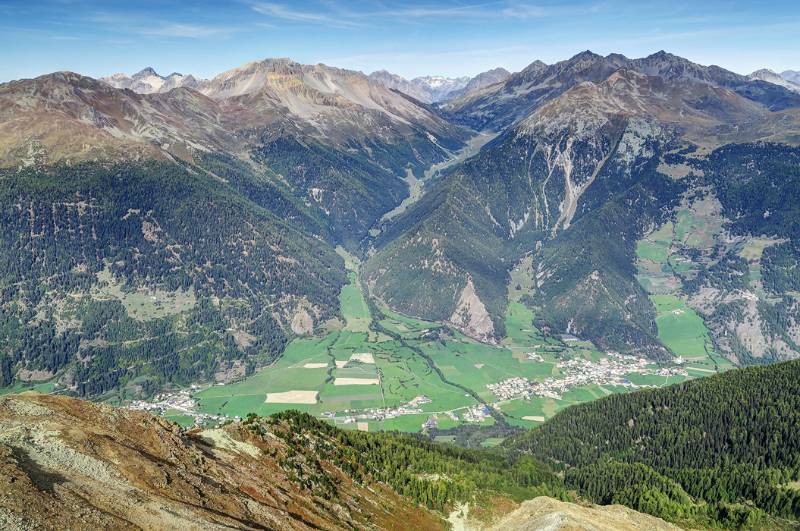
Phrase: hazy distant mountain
(670, 67)
(769, 76)
(147, 81)
(791, 75)
(484, 79)
(498, 105)
(337, 103)
(72, 118)
(440, 87)
(428, 89)
(433, 89)
(395, 82)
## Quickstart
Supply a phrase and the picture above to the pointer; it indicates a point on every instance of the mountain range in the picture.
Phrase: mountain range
(427, 89)
(434, 89)
(594, 154)
(791, 75)
(498, 106)
(147, 81)
(786, 79)
(619, 180)
(291, 160)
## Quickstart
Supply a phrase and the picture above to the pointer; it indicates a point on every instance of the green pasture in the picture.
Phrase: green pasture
(21, 387)
(353, 306)
(655, 251)
(679, 327)
(405, 375)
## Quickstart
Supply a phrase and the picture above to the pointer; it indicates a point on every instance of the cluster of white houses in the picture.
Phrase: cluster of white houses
(613, 369)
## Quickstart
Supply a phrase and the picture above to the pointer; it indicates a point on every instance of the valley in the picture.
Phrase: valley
(416, 185)
(383, 371)
(293, 295)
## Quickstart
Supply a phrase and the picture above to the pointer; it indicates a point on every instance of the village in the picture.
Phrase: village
(181, 402)
(612, 370)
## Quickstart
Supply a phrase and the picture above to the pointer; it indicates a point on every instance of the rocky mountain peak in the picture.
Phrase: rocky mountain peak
(147, 71)
(434, 89)
(535, 66)
(617, 58)
(484, 79)
(765, 74)
(586, 55)
(148, 81)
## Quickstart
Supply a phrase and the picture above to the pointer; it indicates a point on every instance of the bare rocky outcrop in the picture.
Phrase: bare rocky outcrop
(471, 315)
(302, 322)
(545, 513)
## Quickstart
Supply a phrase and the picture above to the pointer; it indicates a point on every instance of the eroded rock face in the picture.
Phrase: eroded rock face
(71, 464)
(471, 316)
(302, 323)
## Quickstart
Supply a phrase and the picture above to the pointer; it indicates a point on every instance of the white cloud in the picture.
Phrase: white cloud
(286, 13)
(473, 10)
(138, 24)
(191, 31)
(335, 15)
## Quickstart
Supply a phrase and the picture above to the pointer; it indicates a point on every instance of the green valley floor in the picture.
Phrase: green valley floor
(386, 371)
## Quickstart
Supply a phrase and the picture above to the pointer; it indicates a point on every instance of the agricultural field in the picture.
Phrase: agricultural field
(476, 365)
(354, 308)
(661, 261)
(682, 330)
(346, 370)
(410, 375)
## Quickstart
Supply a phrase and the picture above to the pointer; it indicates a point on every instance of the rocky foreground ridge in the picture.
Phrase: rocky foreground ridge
(71, 464)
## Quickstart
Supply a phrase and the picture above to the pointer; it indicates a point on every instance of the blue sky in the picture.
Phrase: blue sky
(410, 38)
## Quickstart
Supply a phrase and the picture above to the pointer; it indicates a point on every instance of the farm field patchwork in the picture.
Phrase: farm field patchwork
(682, 330)
(476, 365)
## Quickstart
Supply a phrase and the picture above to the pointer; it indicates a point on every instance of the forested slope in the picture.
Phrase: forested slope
(154, 272)
(722, 448)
